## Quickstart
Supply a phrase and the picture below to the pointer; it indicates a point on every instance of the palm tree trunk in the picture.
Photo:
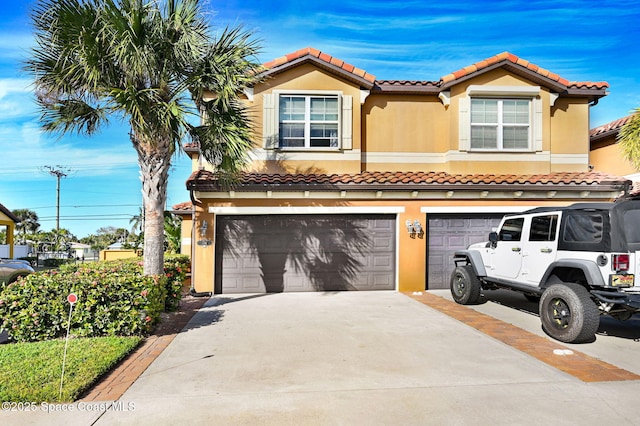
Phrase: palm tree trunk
(154, 172)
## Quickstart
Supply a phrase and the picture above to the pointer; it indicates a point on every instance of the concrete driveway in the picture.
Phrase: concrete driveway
(375, 358)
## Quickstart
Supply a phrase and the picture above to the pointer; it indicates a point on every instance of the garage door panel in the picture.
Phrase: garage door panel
(305, 253)
(449, 233)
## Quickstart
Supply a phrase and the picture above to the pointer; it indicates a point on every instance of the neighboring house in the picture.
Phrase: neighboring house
(362, 184)
(606, 155)
(81, 251)
(7, 220)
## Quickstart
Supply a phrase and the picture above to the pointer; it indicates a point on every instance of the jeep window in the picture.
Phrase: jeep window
(543, 228)
(511, 230)
(631, 231)
(586, 228)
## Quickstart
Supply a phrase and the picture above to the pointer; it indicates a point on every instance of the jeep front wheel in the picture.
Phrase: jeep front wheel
(568, 314)
(465, 286)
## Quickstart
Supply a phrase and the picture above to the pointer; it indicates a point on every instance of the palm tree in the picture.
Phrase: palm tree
(172, 232)
(629, 139)
(156, 65)
(28, 223)
(137, 222)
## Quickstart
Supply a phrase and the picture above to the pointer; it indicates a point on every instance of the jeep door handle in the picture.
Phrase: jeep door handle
(517, 249)
(546, 250)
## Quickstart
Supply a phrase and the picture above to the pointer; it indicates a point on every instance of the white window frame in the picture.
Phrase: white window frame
(531, 93)
(271, 119)
(500, 125)
(307, 122)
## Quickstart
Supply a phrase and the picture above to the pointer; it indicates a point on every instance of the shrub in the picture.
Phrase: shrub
(31, 259)
(176, 268)
(114, 299)
(54, 262)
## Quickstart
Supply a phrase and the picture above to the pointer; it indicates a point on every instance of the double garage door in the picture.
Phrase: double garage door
(280, 253)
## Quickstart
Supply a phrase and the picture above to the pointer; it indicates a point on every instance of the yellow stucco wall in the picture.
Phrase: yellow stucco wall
(424, 128)
(117, 254)
(306, 78)
(606, 156)
(9, 225)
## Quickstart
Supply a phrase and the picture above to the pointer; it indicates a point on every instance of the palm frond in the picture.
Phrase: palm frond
(629, 139)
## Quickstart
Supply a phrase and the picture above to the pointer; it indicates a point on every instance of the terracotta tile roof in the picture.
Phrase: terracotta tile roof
(517, 65)
(185, 207)
(321, 57)
(608, 129)
(513, 59)
(206, 181)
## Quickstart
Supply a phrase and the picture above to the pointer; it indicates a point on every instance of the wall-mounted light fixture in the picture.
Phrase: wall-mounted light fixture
(414, 228)
(409, 225)
(417, 227)
(203, 228)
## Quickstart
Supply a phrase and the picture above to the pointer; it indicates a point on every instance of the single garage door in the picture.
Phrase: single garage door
(281, 253)
(448, 233)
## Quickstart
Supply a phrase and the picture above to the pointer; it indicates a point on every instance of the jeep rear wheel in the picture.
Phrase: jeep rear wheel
(465, 286)
(568, 314)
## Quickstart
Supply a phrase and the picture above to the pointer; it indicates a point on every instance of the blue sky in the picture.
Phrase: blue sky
(581, 40)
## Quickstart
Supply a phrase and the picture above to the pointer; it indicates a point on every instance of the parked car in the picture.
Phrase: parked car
(12, 269)
(579, 261)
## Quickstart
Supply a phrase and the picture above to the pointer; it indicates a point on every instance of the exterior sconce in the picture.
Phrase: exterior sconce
(414, 228)
(409, 225)
(417, 227)
(203, 228)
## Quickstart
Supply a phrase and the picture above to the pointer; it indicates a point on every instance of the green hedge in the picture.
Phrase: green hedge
(114, 299)
(54, 262)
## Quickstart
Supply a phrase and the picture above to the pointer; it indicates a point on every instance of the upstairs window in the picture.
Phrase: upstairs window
(309, 121)
(500, 119)
(500, 124)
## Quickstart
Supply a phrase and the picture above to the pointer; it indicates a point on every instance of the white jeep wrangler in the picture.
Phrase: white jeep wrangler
(580, 261)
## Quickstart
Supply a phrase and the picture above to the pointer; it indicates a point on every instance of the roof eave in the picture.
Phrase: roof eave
(595, 187)
(407, 89)
(333, 69)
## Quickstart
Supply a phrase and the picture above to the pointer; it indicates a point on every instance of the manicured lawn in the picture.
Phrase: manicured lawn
(31, 372)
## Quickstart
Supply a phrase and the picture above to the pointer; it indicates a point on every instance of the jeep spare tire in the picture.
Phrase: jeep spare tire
(465, 285)
(568, 314)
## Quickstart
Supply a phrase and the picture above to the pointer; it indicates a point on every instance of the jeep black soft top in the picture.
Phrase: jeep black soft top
(620, 230)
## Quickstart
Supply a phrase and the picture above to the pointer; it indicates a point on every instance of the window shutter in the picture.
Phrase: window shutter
(347, 122)
(269, 121)
(537, 124)
(464, 123)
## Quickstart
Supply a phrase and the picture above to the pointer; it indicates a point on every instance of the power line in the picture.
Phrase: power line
(58, 173)
(90, 206)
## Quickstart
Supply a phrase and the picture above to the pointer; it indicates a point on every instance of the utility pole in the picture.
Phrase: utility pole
(58, 173)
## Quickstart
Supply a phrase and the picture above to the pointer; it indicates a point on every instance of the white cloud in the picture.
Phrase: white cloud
(26, 150)
(14, 85)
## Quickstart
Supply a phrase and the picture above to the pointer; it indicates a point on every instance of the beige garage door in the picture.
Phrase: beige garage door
(282, 253)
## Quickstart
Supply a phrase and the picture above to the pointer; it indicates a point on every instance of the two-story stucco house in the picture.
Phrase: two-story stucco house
(364, 184)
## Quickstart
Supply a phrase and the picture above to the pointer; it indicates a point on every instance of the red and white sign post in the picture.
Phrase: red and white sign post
(72, 298)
